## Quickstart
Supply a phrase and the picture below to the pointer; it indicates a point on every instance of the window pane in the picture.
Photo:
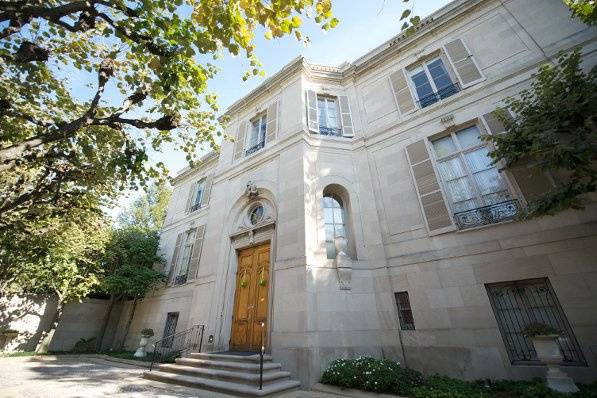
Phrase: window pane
(330, 250)
(496, 197)
(444, 146)
(439, 74)
(338, 219)
(451, 169)
(422, 85)
(329, 232)
(465, 205)
(322, 111)
(332, 114)
(489, 181)
(328, 215)
(460, 189)
(469, 137)
(339, 231)
(479, 160)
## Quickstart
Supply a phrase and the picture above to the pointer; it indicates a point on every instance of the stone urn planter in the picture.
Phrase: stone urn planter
(145, 335)
(545, 341)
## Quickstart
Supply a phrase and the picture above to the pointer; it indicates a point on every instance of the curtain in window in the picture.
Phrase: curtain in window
(458, 186)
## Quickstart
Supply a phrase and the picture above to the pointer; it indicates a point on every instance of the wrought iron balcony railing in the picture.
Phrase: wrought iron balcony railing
(333, 131)
(196, 206)
(255, 148)
(485, 215)
(442, 93)
(180, 279)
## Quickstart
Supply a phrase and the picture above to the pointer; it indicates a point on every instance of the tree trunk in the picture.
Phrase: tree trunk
(105, 321)
(47, 335)
(128, 323)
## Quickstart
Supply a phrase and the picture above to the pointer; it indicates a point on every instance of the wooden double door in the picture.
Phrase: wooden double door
(251, 299)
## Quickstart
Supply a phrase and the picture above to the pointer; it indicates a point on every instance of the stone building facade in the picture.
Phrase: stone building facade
(356, 211)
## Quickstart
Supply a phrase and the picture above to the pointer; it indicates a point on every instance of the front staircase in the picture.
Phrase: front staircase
(225, 372)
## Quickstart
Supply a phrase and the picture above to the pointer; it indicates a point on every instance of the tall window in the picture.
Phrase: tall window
(335, 224)
(329, 119)
(405, 314)
(198, 195)
(256, 139)
(185, 259)
(519, 303)
(469, 178)
(432, 82)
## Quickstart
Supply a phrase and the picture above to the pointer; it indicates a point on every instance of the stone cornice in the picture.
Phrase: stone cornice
(205, 161)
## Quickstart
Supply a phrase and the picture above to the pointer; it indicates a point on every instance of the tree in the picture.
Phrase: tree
(58, 257)
(585, 10)
(153, 56)
(148, 212)
(555, 127)
(128, 263)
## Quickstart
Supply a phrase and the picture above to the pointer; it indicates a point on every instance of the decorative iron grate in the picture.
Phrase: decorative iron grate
(333, 131)
(180, 279)
(196, 206)
(442, 93)
(486, 215)
(255, 148)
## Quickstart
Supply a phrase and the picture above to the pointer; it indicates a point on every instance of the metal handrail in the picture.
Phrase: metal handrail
(261, 356)
(174, 345)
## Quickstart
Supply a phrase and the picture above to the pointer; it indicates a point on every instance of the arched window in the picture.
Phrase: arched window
(335, 221)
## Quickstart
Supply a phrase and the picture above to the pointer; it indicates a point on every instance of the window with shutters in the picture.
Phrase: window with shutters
(432, 82)
(519, 303)
(405, 314)
(198, 193)
(476, 191)
(256, 136)
(328, 116)
(185, 257)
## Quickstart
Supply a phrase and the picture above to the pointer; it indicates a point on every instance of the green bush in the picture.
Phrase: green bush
(84, 345)
(370, 374)
(447, 387)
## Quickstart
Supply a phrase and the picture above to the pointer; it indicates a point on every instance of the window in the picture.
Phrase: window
(198, 198)
(519, 303)
(169, 329)
(187, 249)
(432, 82)
(256, 139)
(476, 191)
(329, 120)
(405, 314)
(335, 226)
(256, 214)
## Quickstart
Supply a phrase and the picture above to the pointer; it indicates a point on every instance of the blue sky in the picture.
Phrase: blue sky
(364, 24)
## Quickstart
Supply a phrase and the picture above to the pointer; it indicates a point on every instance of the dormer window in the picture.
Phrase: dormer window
(432, 82)
(256, 138)
(329, 116)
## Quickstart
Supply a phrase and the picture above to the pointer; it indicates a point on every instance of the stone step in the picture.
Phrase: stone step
(252, 379)
(227, 365)
(221, 386)
(229, 357)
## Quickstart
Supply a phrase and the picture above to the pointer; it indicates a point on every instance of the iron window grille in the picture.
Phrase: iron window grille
(255, 147)
(169, 329)
(405, 314)
(196, 206)
(180, 279)
(519, 303)
(330, 131)
(441, 93)
(491, 214)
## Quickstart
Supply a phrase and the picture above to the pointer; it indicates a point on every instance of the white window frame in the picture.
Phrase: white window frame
(459, 153)
(334, 99)
(425, 68)
(261, 119)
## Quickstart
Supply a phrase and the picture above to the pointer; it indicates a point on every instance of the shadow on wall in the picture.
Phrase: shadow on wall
(31, 314)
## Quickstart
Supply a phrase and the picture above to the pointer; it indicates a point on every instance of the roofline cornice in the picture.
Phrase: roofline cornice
(205, 161)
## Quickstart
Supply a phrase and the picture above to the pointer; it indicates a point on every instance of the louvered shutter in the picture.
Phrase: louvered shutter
(312, 116)
(196, 253)
(404, 98)
(463, 62)
(174, 260)
(207, 190)
(271, 130)
(428, 188)
(531, 180)
(192, 192)
(346, 117)
(239, 144)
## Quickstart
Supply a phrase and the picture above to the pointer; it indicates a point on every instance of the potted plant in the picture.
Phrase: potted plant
(545, 341)
(145, 335)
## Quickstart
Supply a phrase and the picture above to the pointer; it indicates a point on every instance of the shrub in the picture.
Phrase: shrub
(84, 345)
(446, 387)
(147, 332)
(537, 329)
(370, 374)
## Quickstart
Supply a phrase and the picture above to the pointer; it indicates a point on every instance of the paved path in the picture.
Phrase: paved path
(63, 377)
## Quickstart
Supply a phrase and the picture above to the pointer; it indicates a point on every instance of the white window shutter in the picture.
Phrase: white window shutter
(196, 253)
(192, 192)
(271, 130)
(402, 94)
(428, 189)
(174, 259)
(346, 116)
(207, 190)
(239, 143)
(462, 60)
(312, 113)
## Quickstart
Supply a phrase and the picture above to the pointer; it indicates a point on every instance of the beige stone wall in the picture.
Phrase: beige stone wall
(312, 320)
